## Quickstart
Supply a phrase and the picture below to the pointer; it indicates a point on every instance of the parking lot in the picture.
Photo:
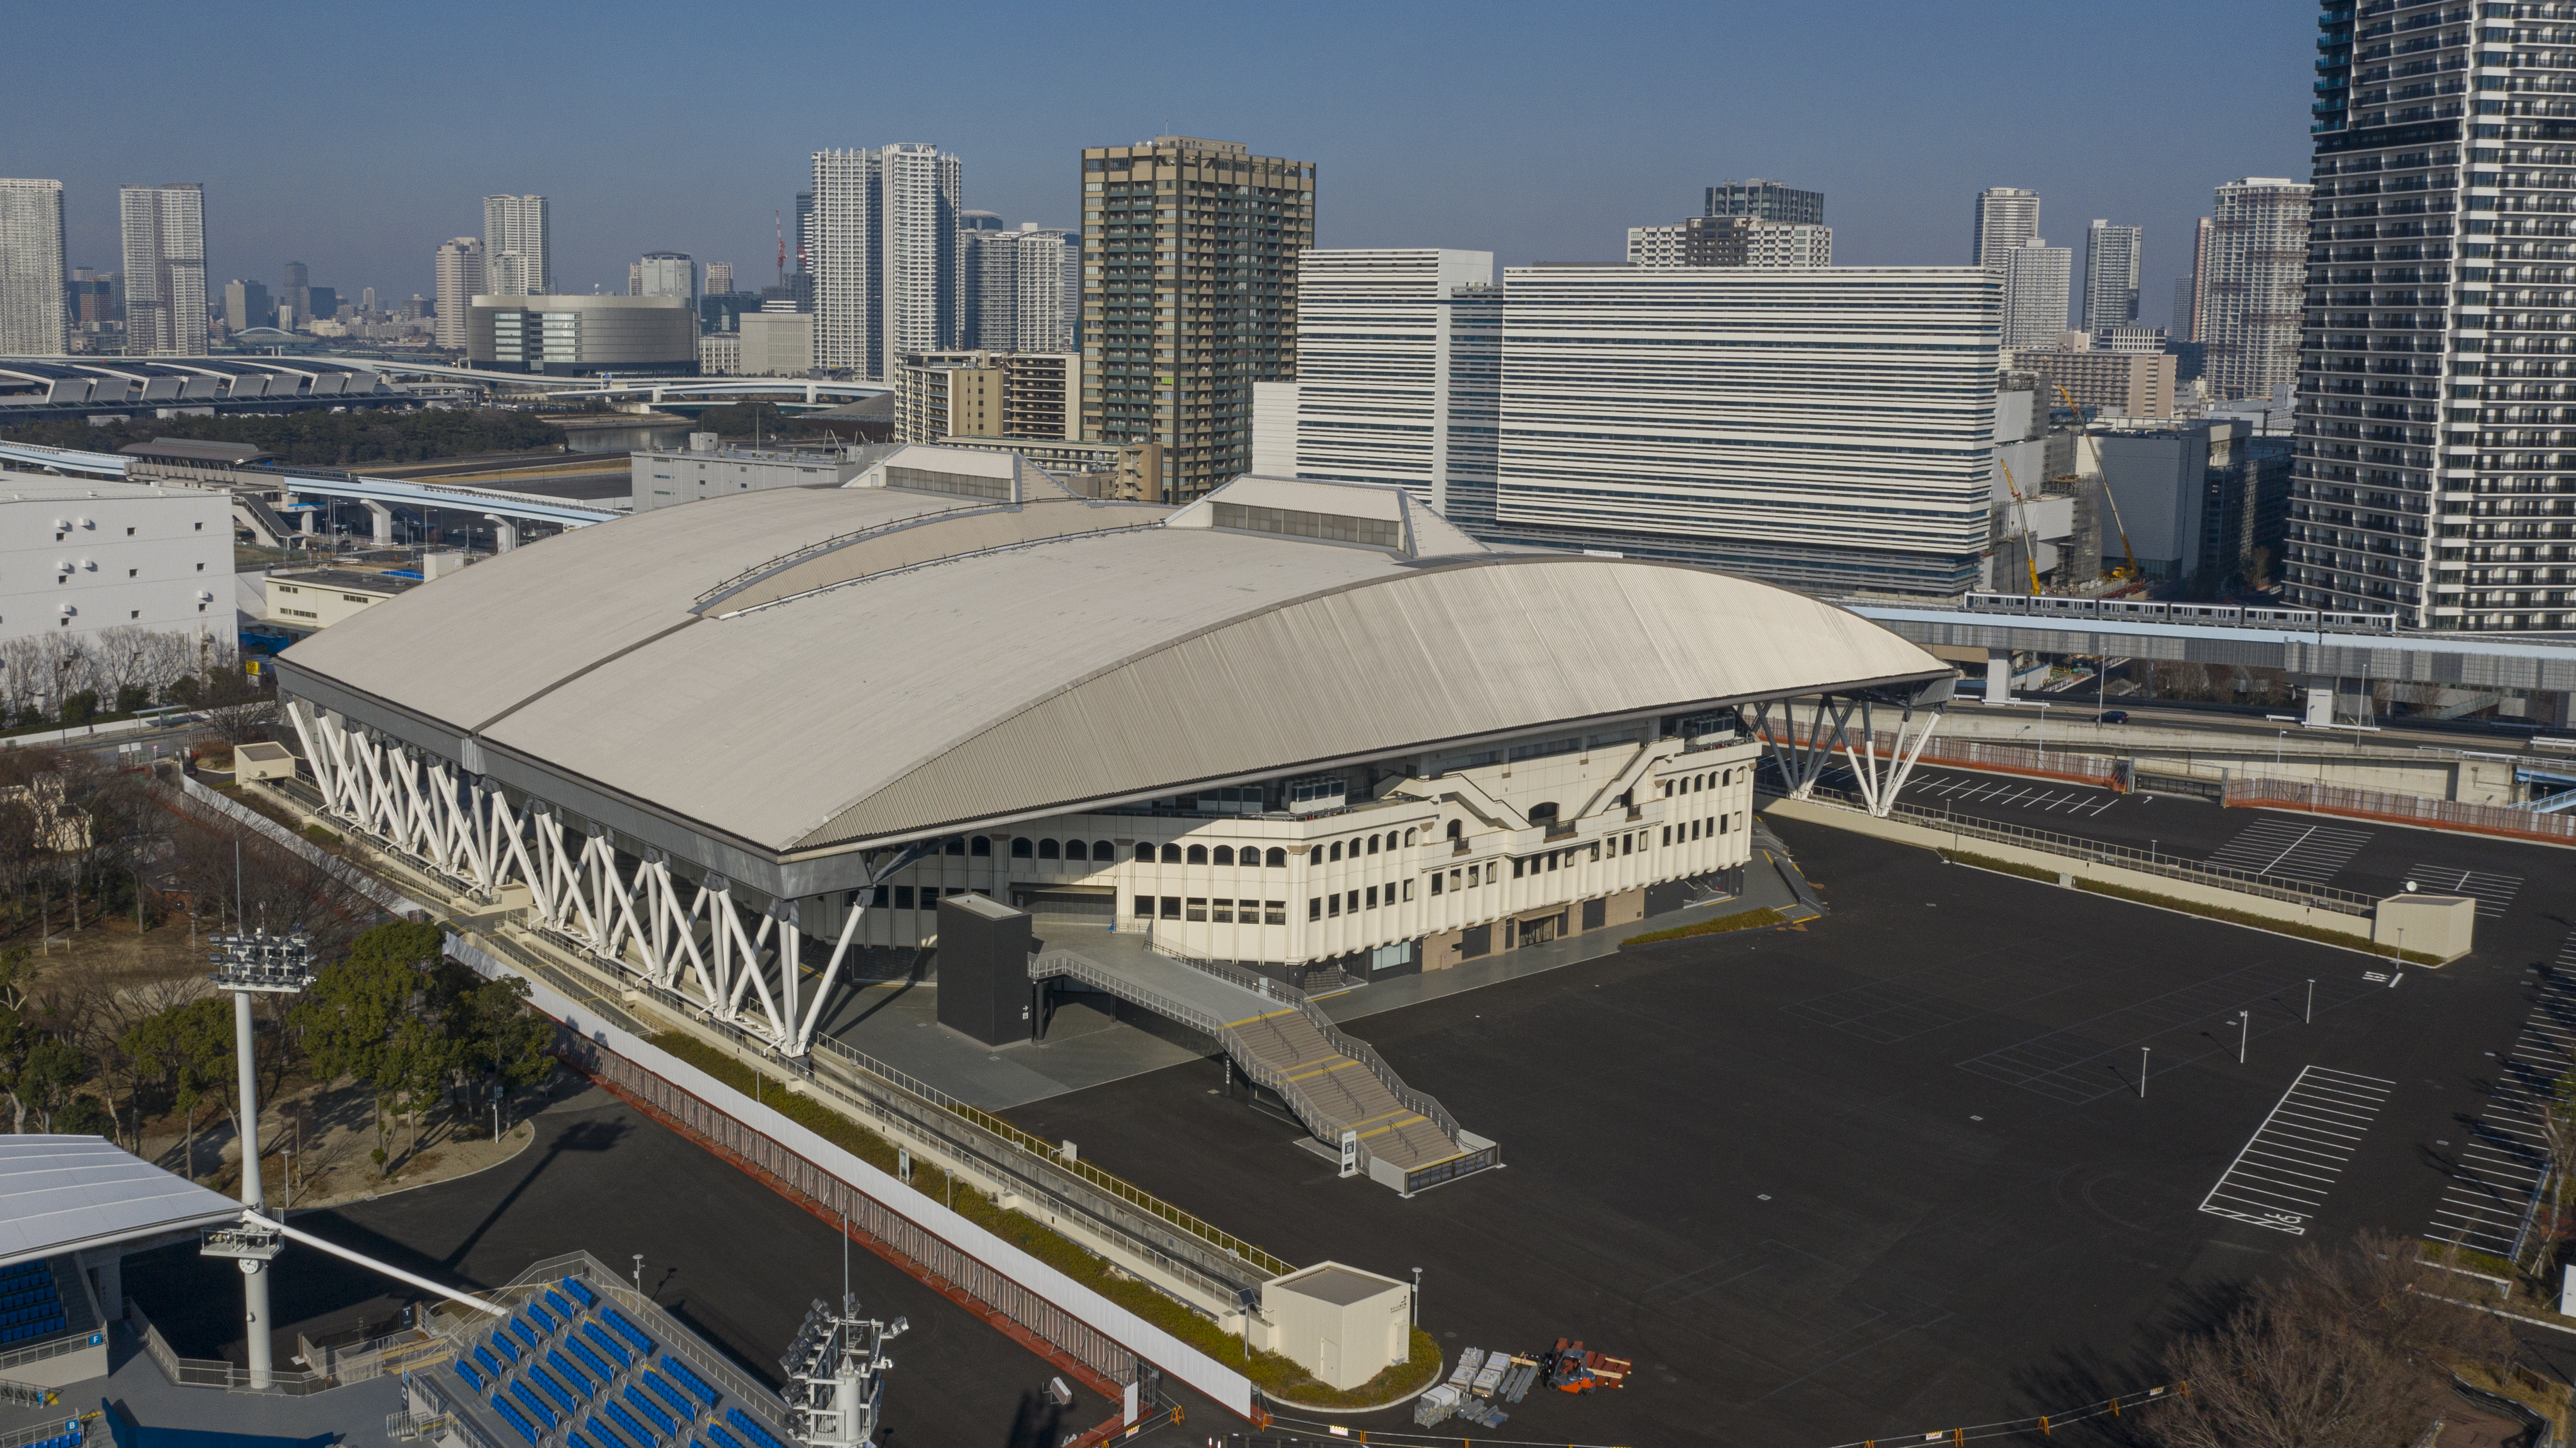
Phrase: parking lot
(1890, 1173)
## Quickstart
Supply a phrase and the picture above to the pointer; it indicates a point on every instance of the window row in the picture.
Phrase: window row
(1330, 907)
(1220, 912)
(1364, 845)
(1490, 871)
(900, 897)
(1689, 830)
(1694, 783)
(1147, 853)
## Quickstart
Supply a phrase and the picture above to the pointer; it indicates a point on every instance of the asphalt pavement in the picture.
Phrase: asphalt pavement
(1893, 1173)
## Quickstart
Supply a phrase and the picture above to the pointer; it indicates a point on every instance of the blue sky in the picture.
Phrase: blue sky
(356, 137)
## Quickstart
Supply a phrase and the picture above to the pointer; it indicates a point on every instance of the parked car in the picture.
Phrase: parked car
(2112, 716)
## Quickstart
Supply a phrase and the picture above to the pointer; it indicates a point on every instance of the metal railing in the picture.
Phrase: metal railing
(42, 1351)
(899, 1234)
(458, 1423)
(2377, 804)
(215, 1372)
(1300, 1102)
(1358, 1050)
(52, 1428)
(2128, 857)
(656, 1323)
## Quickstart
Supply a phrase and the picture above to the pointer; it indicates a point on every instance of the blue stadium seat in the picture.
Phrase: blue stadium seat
(627, 1330)
(507, 1349)
(598, 1365)
(515, 1419)
(539, 1313)
(687, 1411)
(581, 1292)
(546, 1381)
(523, 1333)
(652, 1411)
(617, 1414)
(722, 1438)
(535, 1405)
(490, 1363)
(562, 1308)
(681, 1374)
(575, 1440)
(599, 1433)
(752, 1428)
(610, 1345)
(571, 1375)
(472, 1378)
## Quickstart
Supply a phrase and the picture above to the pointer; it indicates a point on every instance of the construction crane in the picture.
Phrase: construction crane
(2021, 517)
(2084, 436)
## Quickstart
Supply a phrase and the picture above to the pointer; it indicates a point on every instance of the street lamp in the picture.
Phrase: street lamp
(247, 965)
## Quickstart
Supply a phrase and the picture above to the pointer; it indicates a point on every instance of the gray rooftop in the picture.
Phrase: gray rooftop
(806, 669)
(65, 1193)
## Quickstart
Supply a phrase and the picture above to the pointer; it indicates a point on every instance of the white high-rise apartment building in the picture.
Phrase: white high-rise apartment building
(518, 246)
(1827, 429)
(2007, 218)
(2430, 470)
(666, 274)
(882, 244)
(1014, 284)
(2255, 292)
(165, 268)
(1704, 241)
(1399, 370)
(1788, 244)
(460, 280)
(919, 243)
(2111, 255)
(2037, 278)
(33, 322)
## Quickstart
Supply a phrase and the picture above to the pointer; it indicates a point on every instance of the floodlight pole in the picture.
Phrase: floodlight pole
(248, 965)
(254, 1270)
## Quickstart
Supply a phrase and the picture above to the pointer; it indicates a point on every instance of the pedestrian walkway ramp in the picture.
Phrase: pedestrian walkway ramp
(1339, 1088)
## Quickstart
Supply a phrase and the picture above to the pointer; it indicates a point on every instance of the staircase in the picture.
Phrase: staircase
(1279, 1040)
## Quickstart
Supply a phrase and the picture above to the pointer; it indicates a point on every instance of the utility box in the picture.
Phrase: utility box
(262, 760)
(2441, 926)
(984, 986)
(1341, 1324)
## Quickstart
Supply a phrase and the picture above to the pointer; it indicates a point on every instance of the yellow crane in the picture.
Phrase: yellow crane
(2084, 435)
(2021, 517)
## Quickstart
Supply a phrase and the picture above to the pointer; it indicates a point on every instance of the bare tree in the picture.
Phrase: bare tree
(2349, 1349)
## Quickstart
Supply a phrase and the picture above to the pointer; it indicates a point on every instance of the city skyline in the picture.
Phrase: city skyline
(711, 190)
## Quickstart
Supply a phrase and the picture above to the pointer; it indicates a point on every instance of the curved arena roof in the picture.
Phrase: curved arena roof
(805, 670)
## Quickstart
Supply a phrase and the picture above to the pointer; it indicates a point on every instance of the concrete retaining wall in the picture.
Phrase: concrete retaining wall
(2068, 867)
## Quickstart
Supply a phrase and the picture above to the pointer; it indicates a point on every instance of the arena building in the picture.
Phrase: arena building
(1288, 723)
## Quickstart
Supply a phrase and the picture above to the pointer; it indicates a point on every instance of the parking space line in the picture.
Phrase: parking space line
(2494, 892)
(2291, 849)
(2094, 1057)
(2499, 1170)
(2282, 1175)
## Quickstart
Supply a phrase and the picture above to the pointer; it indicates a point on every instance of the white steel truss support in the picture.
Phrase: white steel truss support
(1880, 786)
(831, 975)
(1802, 764)
(464, 828)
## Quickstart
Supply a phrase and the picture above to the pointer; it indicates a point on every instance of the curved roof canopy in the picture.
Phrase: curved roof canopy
(64, 1193)
(799, 670)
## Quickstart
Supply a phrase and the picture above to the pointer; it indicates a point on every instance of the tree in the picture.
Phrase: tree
(502, 1030)
(367, 1017)
(2349, 1349)
(189, 1051)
